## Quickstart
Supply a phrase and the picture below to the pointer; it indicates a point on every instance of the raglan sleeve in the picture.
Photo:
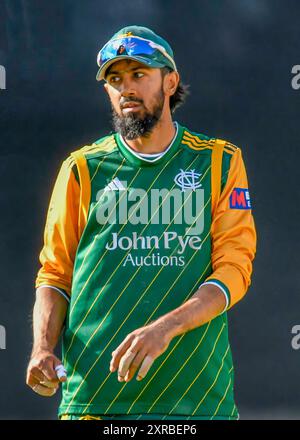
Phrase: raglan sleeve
(61, 235)
(233, 235)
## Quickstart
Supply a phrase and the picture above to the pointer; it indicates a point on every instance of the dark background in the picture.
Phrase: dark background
(237, 56)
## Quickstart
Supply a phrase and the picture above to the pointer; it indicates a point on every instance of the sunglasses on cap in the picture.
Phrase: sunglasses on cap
(134, 47)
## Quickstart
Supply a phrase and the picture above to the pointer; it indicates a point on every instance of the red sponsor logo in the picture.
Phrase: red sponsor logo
(240, 199)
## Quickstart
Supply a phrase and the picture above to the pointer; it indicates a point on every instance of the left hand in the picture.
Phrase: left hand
(140, 347)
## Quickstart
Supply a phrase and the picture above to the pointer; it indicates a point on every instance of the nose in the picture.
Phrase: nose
(127, 87)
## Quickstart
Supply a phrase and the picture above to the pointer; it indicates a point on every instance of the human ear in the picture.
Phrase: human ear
(171, 82)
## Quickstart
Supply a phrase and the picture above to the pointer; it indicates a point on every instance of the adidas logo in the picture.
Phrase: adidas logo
(115, 185)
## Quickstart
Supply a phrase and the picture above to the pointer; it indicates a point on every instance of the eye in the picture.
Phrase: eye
(113, 79)
(138, 74)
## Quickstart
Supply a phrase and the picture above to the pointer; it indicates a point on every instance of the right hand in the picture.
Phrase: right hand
(41, 374)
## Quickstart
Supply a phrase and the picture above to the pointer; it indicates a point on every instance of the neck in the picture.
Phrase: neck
(158, 140)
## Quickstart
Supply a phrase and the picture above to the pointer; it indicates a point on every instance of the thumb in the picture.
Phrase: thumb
(60, 371)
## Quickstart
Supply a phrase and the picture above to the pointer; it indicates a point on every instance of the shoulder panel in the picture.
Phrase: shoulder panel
(197, 142)
(103, 146)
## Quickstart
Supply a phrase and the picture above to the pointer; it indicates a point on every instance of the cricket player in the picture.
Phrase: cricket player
(149, 241)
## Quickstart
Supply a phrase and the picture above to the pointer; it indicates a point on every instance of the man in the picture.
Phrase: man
(149, 240)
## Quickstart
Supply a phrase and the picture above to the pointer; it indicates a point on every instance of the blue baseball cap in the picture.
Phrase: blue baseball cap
(136, 43)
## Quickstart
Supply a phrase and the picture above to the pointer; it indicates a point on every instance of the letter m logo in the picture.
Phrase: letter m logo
(240, 199)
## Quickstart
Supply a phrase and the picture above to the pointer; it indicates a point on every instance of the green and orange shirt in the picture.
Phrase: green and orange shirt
(128, 238)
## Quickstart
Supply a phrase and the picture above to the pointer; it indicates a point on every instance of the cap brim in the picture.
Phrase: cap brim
(150, 63)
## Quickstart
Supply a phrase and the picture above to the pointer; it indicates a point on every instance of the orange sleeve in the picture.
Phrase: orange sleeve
(61, 235)
(233, 235)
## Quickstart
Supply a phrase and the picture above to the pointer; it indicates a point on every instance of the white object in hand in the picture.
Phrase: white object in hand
(60, 371)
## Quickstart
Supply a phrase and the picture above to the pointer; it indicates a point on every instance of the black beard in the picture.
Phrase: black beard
(131, 126)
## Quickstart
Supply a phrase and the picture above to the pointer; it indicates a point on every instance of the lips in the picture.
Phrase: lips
(130, 105)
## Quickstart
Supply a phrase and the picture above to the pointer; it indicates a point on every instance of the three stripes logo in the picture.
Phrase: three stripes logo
(116, 185)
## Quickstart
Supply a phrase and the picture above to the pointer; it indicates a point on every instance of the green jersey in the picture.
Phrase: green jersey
(145, 249)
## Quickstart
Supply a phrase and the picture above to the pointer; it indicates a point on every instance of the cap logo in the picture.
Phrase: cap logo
(128, 34)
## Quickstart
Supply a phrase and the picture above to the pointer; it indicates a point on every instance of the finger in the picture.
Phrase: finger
(135, 365)
(32, 380)
(37, 377)
(125, 362)
(145, 367)
(44, 391)
(49, 373)
(48, 384)
(40, 379)
(37, 374)
(61, 372)
(120, 350)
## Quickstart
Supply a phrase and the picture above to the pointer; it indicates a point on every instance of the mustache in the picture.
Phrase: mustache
(123, 101)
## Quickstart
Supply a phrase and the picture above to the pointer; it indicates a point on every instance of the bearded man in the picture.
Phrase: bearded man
(149, 241)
